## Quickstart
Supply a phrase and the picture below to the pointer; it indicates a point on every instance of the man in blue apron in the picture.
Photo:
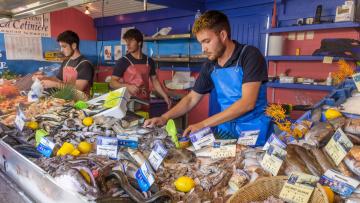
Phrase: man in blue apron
(238, 74)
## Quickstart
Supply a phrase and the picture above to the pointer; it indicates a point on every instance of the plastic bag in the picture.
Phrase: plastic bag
(36, 91)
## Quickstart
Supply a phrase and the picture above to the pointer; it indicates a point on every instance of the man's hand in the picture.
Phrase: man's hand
(193, 128)
(49, 83)
(39, 75)
(168, 102)
(157, 121)
(133, 89)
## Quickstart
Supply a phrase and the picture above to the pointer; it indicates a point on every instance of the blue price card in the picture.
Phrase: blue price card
(339, 183)
(144, 178)
(45, 147)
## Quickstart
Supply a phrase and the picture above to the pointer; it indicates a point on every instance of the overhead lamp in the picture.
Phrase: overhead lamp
(145, 5)
(87, 12)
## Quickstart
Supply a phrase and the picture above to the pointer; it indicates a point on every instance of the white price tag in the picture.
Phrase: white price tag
(157, 156)
(338, 146)
(107, 146)
(273, 159)
(356, 78)
(202, 138)
(298, 188)
(248, 138)
(273, 139)
(224, 151)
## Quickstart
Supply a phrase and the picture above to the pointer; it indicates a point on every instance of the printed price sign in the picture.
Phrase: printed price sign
(248, 138)
(273, 159)
(338, 146)
(298, 188)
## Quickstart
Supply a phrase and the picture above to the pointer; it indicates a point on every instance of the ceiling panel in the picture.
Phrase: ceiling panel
(116, 7)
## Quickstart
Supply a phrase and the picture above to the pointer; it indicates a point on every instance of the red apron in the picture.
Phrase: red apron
(70, 74)
(138, 74)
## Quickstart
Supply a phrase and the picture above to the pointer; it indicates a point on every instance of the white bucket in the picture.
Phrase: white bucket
(276, 44)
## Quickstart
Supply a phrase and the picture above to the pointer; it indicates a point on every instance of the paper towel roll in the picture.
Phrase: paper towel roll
(276, 44)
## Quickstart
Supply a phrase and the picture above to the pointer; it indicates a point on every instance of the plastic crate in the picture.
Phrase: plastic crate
(335, 98)
(118, 111)
(99, 88)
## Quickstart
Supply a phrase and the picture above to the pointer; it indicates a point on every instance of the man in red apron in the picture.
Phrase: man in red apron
(75, 69)
(134, 70)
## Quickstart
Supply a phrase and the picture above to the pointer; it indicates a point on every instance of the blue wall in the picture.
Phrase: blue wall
(290, 10)
(248, 21)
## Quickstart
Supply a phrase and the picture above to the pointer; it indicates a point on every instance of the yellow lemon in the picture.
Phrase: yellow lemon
(76, 152)
(33, 125)
(329, 193)
(65, 149)
(184, 184)
(88, 121)
(84, 147)
(332, 114)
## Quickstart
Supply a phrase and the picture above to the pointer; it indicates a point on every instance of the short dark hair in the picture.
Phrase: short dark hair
(69, 37)
(213, 20)
(134, 34)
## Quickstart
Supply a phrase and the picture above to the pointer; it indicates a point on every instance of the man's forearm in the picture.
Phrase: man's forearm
(158, 88)
(117, 84)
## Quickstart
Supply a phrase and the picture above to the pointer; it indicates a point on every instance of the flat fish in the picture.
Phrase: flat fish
(293, 163)
(342, 168)
(353, 165)
(338, 122)
(321, 158)
(316, 115)
(352, 126)
(309, 160)
(319, 134)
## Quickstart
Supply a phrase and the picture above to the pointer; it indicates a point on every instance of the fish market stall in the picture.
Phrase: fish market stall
(61, 150)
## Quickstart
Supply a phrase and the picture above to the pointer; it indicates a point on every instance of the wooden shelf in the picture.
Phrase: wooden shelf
(180, 59)
(184, 69)
(169, 37)
(300, 86)
(303, 58)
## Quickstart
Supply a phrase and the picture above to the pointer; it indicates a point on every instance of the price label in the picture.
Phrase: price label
(273, 159)
(356, 78)
(144, 178)
(107, 146)
(223, 151)
(128, 141)
(248, 138)
(328, 59)
(273, 139)
(338, 146)
(157, 155)
(339, 183)
(298, 188)
(20, 119)
(202, 138)
(45, 147)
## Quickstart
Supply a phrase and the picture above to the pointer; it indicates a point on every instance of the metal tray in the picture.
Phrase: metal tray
(33, 180)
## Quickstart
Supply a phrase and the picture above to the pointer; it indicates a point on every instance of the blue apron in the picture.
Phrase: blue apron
(228, 86)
